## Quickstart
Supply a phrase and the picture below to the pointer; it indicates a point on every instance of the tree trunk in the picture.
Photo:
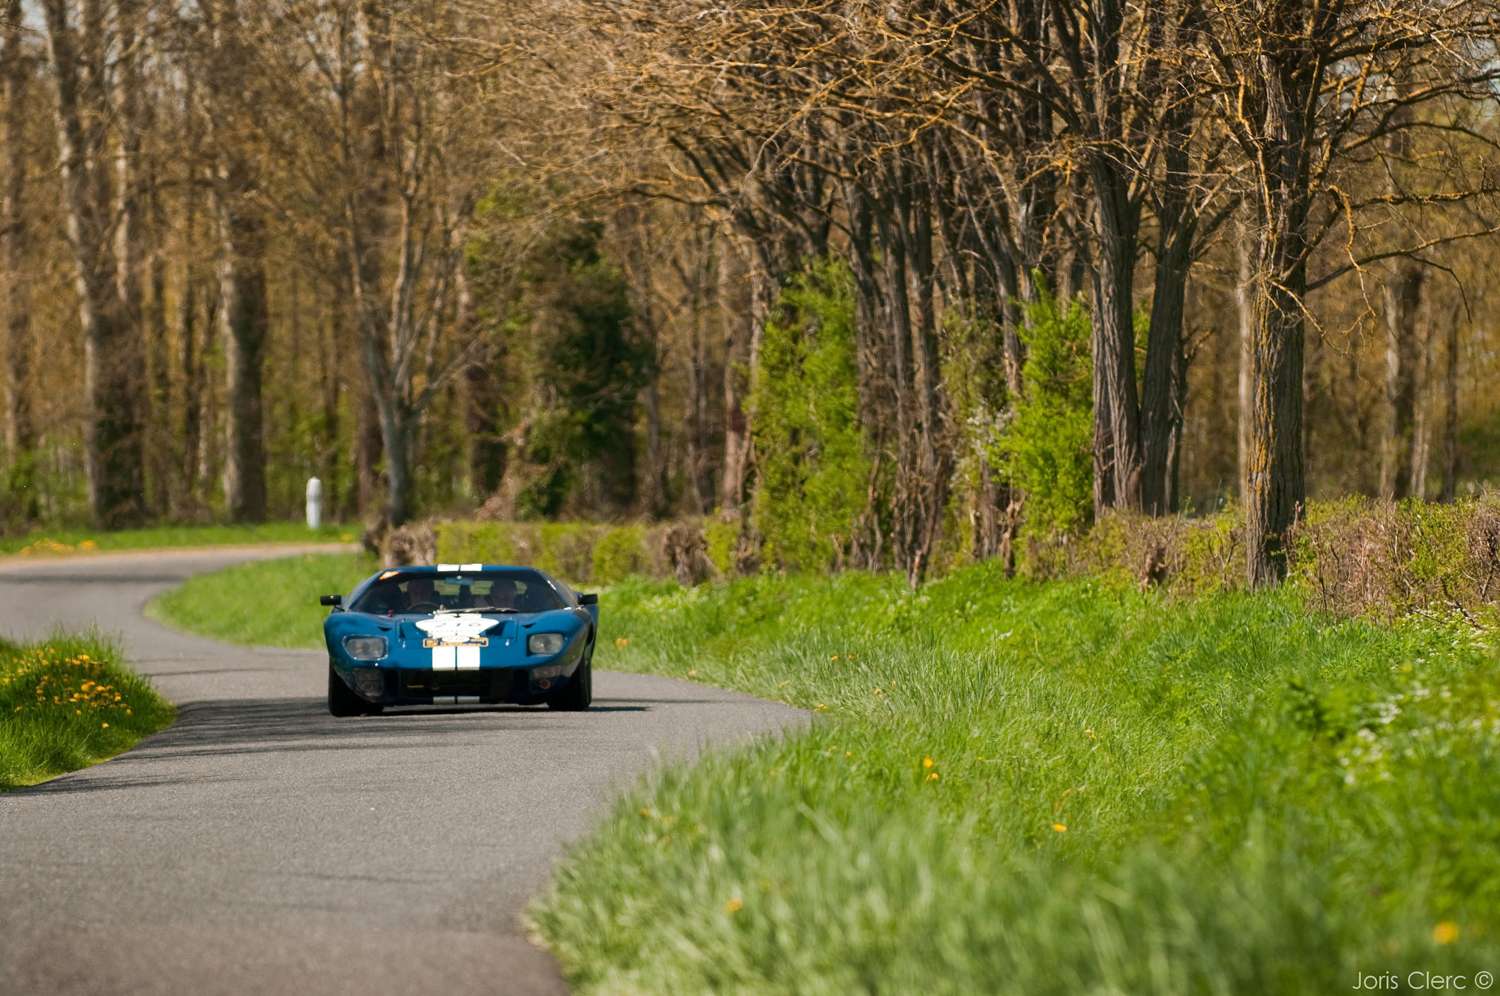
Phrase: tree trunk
(654, 494)
(932, 461)
(897, 327)
(160, 443)
(1165, 373)
(699, 480)
(1450, 411)
(482, 402)
(244, 315)
(1117, 454)
(243, 321)
(738, 332)
(20, 431)
(330, 384)
(1417, 468)
(1275, 487)
(1403, 299)
(1244, 290)
(112, 353)
(1164, 380)
(398, 430)
(190, 365)
(366, 450)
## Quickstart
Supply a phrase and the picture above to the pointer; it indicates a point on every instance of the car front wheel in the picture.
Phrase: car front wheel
(341, 698)
(580, 691)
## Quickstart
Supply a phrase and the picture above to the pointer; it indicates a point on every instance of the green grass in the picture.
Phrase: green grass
(1124, 794)
(267, 603)
(1033, 789)
(83, 541)
(68, 702)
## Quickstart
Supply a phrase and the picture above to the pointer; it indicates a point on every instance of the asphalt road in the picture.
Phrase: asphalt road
(261, 846)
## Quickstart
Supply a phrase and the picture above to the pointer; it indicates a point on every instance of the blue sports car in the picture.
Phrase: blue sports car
(459, 633)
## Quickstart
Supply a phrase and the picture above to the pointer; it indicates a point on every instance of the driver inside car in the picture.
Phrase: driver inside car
(421, 595)
(502, 595)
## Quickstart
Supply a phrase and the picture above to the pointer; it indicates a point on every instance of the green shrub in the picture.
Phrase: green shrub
(1048, 445)
(813, 471)
(566, 549)
(577, 552)
(477, 542)
(721, 537)
(619, 554)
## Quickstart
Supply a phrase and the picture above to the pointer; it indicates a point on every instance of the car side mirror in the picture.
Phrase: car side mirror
(588, 598)
(336, 601)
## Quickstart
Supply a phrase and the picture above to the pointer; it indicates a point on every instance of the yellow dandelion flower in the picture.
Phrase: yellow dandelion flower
(785, 683)
(848, 753)
(621, 641)
(834, 657)
(1059, 828)
(926, 762)
(1445, 932)
(734, 906)
(645, 812)
(106, 726)
(819, 706)
(932, 777)
(693, 672)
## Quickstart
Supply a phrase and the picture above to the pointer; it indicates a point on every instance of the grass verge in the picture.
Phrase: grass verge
(1018, 787)
(88, 541)
(1044, 788)
(68, 702)
(267, 603)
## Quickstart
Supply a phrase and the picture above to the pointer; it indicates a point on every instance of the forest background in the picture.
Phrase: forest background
(889, 286)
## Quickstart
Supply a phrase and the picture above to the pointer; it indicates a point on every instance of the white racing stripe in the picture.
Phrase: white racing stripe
(467, 658)
(445, 658)
(472, 567)
(447, 567)
(455, 699)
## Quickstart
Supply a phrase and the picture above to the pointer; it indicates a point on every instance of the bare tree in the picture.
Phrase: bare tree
(114, 367)
(1304, 88)
(15, 77)
(228, 96)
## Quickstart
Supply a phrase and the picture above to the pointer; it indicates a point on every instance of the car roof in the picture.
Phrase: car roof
(459, 568)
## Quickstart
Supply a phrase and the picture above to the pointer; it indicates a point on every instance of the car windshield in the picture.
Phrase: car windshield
(476, 591)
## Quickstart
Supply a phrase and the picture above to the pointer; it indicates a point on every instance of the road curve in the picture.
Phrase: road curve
(261, 846)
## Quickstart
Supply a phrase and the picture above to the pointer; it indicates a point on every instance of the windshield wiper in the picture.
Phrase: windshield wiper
(444, 612)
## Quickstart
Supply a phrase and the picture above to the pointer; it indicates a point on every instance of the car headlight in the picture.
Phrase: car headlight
(544, 643)
(365, 648)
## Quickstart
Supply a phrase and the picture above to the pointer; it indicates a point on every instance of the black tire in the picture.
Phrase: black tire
(342, 701)
(579, 694)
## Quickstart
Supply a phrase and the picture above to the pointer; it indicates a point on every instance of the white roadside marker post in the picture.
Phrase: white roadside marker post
(314, 503)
